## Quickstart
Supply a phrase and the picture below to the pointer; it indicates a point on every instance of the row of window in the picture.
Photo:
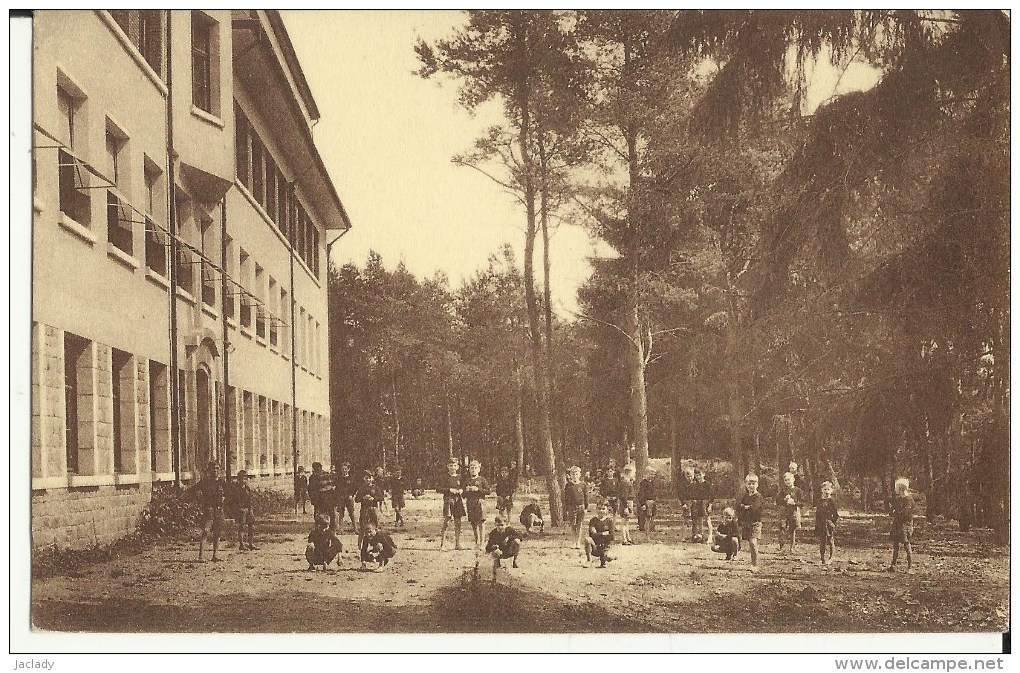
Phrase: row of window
(265, 310)
(260, 173)
(146, 30)
(273, 418)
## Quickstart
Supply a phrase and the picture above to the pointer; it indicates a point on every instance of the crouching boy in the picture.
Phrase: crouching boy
(504, 542)
(531, 516)
(726, 538)
(600, 536)
(376, 547)
(323, 545)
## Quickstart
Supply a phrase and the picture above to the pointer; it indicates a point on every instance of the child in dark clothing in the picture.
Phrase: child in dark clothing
(397, 496)
(901, 509)
(245, 511)
(701, 499)
(600, 536)
(627, 503)
(790, 499)
(383, 482)
(323, 545)
(369, 495)
(346, 490)
(211, 493)
(504, 542)
(826, 516)
(475, 489)
(453, 503)
(609, 487)
(418, 490)
(575, 503)
(646, 502)
(749, 509)
(376, 547)
(506, 485)
(726, 538)
(531, 516)
(300, 489)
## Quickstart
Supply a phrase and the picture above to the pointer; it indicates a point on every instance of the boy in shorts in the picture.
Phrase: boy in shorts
(369, 495)
(531, 516)
(600, 536)
(575, 503)
(505, 487)
(790, 499)
(397, 496)
(901, 509)
(301, 490)
(475, 489)
(346, 490)
(376, 547)
(826, 516)
(726, 538)
(749, 509)
(323, 545)
(245, 514)
(627, 495)
(211, 492)
(504, 543)
(453, 503)
(646, 502)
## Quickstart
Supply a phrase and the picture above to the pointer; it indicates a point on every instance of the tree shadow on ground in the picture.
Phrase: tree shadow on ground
(468, 606)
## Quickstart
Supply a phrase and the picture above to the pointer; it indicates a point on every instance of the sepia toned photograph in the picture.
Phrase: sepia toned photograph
(519, 321)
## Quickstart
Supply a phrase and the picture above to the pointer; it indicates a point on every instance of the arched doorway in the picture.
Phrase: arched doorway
(205, 439)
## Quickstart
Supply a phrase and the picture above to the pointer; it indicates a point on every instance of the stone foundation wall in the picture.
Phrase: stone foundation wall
(83, 517)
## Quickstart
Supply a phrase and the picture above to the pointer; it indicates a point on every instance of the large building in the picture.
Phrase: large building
(181, 216)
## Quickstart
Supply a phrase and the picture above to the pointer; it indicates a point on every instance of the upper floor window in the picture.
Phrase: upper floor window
(145, 29)
(119, 219)
(204, 71)
(73, 176)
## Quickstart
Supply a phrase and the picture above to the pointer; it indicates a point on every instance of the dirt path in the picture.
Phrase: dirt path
(659, 585)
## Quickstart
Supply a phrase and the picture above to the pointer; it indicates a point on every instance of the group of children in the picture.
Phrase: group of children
(330, 492)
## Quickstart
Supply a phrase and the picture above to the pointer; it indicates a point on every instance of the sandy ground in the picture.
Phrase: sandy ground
(661, 584)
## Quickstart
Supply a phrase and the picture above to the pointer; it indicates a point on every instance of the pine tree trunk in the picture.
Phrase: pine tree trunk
(523, 95)
(638, 392)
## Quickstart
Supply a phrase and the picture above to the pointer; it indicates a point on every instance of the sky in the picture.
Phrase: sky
(387, 138)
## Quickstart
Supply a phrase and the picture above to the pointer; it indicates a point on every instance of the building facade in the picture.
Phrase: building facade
(181, 213)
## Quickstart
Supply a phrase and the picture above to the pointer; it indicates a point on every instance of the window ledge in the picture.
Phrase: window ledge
(46, 483)
(132, 51)
(157, 278)
(121, 256)
(207, 117)
(163, 476)
(210, 311)
(121, 478)
(79, 230)
(231, 322)
(275, 229)
(273, 349)
(247, 332)
(77, 480)
(185, 295)
(260, 340)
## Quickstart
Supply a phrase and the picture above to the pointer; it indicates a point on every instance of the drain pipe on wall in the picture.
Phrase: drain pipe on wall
(175, 402)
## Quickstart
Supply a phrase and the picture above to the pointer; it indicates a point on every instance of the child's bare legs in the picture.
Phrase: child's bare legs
(442, 535)
(752, 544)
(456, 532)
(906, 548)
(577, 536)
(625, 529)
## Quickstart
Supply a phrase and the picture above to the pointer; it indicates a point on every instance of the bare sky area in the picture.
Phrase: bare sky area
(387, 137)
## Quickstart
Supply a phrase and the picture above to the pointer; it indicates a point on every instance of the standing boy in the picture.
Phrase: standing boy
(369, 495)
(475, 488)
(628, 494)
(750, 505)
(609, 487)
(600, 536)
(211, 492)
(245, 515)
(397, 496)
(826, 516)
(790, 499)
(300, 489)
(901, 509)
(701, 499)
(646, 502)
(575, 503)
(506, 486)
(346, 490)
(453, 503)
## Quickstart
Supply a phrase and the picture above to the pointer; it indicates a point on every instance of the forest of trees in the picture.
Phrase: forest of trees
(829, 285)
